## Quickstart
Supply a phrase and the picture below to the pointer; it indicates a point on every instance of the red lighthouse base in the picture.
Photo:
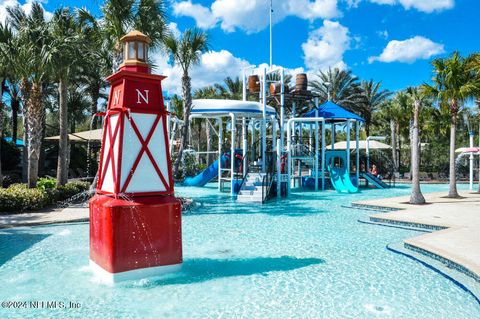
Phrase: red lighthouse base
(135, 239)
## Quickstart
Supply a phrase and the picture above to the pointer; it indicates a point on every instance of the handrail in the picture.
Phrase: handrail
(245, 155)
(268, 178)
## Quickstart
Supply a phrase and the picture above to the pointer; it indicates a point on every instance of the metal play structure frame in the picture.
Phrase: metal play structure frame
(284, 132)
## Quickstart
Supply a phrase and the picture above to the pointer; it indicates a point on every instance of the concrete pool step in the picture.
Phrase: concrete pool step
(251, 190)
(453, 225)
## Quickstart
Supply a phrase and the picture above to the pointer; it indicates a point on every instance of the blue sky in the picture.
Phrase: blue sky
(392, 41)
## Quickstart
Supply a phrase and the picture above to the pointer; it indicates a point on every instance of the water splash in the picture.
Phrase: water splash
(80, 198)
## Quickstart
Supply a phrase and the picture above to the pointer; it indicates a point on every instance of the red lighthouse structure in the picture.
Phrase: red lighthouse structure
(135, 219)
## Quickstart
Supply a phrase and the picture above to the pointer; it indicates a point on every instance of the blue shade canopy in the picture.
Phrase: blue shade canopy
(333, 112)
(19, 142)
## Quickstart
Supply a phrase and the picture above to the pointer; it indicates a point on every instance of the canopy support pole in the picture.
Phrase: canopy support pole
(323, 155)
(244, 146)
(290, 128)
(357, 162)
(280, 141)
(347, 164)
(264, 120)
(252, 140)
(316, 145)
(279, 167)
(220, 140)
(333, 135)
(274, 132)
(232, 155)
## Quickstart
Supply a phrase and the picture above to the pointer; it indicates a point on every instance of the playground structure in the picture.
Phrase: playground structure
(471, 151)
(277, 152)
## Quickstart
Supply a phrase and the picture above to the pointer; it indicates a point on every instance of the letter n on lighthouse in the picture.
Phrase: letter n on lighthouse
(135, 220)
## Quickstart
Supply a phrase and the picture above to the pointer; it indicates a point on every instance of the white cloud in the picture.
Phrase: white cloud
(27, 7)
(202, 15)
(408, 51)
(383, 34)
(214, 67)
(252, 15)
(325, 46)
(427, 6)
(307, 9)
(353, 3)
(173, 27)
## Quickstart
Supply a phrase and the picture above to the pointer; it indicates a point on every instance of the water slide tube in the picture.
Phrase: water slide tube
(341, 180)
(378, 183)
(208, 174)
(212, 171)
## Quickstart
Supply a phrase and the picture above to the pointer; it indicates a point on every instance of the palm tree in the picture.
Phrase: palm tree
(64, 50)
(32, 42)
(416, 196)
(474, 66)
(453, 83)
(122, 16)
(8, 53)
(5, 37)
(186, 51)
(338, 86)
(97, 61)
(213, 92)
(391, 112)
(230, 89)
(371, 99)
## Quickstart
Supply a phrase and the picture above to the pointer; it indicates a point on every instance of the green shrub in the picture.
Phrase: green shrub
(19, 198)
(70, 189)
(45, 183)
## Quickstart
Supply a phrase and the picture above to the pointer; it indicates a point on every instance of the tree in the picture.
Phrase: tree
(474, 66)
(340, 87)
(8, 56)
(213, 92)
(32, 42)
(186, 51)
(5, 39)
(230, 89)
(453, 83)
(122, 16)
(416, 196)
(96, 63)
(63, 56)
(371, 99)
(391, 112)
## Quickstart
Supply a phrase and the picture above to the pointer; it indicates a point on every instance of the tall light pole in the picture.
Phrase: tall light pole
(271, 34)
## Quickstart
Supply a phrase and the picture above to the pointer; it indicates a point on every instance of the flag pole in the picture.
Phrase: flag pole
(271, 39)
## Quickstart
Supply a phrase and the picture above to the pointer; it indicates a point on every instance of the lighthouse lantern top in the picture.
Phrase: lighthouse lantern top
(135, 51)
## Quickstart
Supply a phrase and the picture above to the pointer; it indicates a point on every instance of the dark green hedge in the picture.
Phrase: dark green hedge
(20, 198)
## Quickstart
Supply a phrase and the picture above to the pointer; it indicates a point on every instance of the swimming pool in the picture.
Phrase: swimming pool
(304, 257)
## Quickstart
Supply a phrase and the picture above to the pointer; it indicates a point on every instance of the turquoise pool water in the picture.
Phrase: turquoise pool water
(303, 258)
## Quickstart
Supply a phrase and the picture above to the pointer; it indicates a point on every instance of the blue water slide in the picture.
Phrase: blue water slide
(341, 180)
(377, 182)
(208, 174)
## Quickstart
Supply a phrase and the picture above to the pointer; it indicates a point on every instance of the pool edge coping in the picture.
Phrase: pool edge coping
(459, 278)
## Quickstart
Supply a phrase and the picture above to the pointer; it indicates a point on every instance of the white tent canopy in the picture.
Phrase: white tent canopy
(373, 145)
(218, 107)
(85, 136)
(467, 150)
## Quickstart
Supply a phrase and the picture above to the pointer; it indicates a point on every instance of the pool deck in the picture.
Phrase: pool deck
(455, 226)
(71, 214)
